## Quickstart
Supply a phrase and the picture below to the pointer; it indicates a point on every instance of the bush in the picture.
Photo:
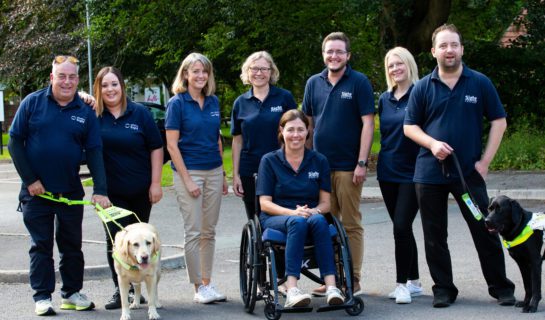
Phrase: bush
(523, 149)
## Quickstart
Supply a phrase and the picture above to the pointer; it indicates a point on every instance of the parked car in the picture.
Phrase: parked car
(158, 114)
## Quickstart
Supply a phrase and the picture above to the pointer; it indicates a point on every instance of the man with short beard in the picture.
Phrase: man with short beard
(445, 114)
(339, 103)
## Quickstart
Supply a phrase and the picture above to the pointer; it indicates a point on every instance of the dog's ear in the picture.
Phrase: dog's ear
(516, 210)
(156, 243)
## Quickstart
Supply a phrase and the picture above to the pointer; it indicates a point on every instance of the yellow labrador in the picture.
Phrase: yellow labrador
(136, 259)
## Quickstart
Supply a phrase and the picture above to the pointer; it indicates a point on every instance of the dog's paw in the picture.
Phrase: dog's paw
(152, 314)
(125, 316)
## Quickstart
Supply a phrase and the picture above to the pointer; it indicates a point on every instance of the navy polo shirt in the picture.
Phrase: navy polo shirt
(453, 116)
(336, 112)
(55, 138)
(289, 188)
(258, 123)
(398, 153)
(199, 130)
(128, 142)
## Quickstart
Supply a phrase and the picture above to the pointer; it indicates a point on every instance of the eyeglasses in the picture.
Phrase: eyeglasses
(71, 77)
(337, 52)
(257, 69)
(62, 59)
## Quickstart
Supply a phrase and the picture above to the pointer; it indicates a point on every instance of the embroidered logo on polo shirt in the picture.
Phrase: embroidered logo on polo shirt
(215, 114)
(313, 175)
(78, 119)
(277, 109)
(471, 99)
(346, 95)
(131, 126)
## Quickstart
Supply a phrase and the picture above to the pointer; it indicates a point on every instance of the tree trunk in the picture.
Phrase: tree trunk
(410, 23)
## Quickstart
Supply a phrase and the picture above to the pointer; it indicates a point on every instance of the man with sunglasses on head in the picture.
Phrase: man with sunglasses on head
(340, 105)
(50, 131)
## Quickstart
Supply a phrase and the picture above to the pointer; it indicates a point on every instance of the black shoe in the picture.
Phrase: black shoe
(114, 302)
(442, 301)
(506, 299)
(131, 296)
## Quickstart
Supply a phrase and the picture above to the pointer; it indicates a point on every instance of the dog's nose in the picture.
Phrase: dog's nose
(144, 259)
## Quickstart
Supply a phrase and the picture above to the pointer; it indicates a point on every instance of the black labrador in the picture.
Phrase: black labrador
(509, 219)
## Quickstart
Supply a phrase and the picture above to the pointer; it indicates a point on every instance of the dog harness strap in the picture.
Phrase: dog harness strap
(521, 238)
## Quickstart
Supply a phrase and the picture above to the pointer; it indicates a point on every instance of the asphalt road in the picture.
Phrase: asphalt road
(378, 279)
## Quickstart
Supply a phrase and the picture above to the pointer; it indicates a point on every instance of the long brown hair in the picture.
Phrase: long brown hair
(97, 89)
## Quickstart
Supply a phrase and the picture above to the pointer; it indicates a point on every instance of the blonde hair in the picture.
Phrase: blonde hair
(409, 62)
(244, 75)
(97, 89)
(180, 84)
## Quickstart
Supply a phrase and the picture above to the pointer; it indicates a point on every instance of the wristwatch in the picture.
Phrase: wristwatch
(363, 163)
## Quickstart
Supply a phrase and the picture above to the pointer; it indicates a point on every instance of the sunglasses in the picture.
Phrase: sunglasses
(62, 59)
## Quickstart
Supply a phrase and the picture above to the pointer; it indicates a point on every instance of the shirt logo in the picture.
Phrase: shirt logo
(313, 175)
(131, 126)
(78, 119)
(471, 99)
(346, 95)
(215, 114)
(277, 109)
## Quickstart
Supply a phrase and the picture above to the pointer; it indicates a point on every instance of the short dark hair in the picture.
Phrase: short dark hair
(449, 27)
(291, 115)
(337, 36)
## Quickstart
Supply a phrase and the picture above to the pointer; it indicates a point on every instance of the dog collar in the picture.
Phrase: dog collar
(521, 238)
(127, 266)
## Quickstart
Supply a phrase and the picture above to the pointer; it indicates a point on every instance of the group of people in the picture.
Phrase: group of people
(308, 163)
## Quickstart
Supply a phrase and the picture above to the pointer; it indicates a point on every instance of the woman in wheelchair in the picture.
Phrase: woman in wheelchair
(294, 189)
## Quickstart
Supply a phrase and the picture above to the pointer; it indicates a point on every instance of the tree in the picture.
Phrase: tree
(32, 32)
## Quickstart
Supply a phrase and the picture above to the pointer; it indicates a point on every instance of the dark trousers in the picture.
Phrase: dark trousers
(137, 203)
(248, 184)
(433, 202)
(46, 220)
(400, 200)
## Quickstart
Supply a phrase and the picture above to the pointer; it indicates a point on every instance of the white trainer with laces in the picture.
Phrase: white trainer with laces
(44, 308)
(296, 298)
(77, 301)
(219, 297)
(415, 288)
(334, 296)
(403, 295)
(204, 295)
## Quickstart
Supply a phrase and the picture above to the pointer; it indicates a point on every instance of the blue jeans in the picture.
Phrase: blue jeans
(297, 229)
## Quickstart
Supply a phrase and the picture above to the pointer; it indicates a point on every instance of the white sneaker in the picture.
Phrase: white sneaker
(334, 296)
(44, 308)
(219, 297)
(403, 295)
(204, 295)
(77, 301)
(415, 287)
(296, 298)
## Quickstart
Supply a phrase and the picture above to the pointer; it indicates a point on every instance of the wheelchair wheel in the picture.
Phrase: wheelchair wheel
(271, 313)
(248, 272)
(357, 308)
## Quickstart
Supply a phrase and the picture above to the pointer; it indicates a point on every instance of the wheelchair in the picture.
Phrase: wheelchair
(262, 260)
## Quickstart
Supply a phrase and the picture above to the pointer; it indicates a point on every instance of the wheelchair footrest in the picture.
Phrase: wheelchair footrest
(296, 309)
(326, 307)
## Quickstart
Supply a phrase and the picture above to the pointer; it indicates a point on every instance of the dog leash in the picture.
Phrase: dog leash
(110, 214)
(467, 197)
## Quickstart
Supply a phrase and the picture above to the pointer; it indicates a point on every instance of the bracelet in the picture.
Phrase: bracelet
(224, 174)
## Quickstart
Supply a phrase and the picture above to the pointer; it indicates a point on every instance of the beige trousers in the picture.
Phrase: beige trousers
(345, 206)
(200, 218)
